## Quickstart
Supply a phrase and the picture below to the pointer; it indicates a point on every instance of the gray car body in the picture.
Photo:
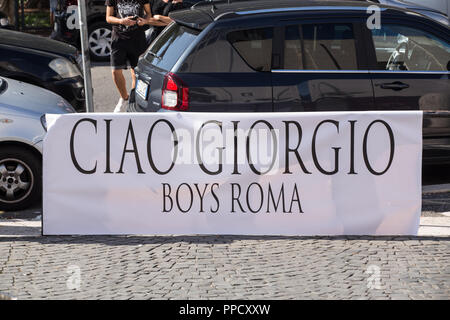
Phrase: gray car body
(21, 107)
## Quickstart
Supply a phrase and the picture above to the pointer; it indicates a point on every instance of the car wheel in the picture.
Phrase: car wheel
(20, 178)
(99, 38)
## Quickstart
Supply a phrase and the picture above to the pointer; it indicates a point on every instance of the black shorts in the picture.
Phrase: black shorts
(125, 51)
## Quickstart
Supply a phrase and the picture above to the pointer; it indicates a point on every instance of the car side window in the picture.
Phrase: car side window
(327, 46)
(402, 48)
(254, 46)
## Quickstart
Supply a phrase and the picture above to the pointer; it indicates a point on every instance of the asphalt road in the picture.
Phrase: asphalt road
(106, 95)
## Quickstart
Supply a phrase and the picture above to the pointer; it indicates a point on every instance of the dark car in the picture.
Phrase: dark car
(43, 62)
(99, 31)
(286, 56)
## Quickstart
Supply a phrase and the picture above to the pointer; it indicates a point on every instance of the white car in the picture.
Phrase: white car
(22, 130)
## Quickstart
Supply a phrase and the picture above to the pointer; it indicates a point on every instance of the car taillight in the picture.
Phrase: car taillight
(175, 95)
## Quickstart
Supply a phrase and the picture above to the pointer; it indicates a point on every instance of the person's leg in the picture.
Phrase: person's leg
(134, 52)
(120, 82)
(133, 78)
(53, 5)
(118, 63)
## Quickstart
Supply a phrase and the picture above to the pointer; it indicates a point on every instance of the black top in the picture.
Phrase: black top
(123, 9)
(163, 8)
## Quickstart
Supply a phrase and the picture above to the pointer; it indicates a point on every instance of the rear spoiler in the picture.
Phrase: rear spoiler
(192, 18)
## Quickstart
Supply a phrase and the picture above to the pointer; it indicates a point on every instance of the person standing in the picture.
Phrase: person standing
(128, 40)
(53, 8)
(160, 11)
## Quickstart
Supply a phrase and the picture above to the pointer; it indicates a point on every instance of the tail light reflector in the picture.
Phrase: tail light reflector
(175, 95)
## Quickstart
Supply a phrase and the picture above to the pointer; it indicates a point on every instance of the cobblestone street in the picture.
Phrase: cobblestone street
(228, 267)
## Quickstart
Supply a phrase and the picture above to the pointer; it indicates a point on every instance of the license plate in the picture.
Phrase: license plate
(142, 89)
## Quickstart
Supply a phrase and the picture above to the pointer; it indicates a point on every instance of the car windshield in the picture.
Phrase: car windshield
(170, 45)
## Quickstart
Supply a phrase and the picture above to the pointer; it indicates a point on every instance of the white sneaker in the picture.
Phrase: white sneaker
(121, 105)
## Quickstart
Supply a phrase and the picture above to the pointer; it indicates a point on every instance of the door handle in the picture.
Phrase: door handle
(397, 86)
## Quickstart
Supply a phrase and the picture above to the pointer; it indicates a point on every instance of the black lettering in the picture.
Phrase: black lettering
(352, 146)
(336, 150)
(199, 156)
(295, 198)
(201, 195)
(178, 197)
(130, 132)
(280, 197)
(275, 147)
(233, 198)
(248, 198)
(167, 196)
(235, 146)
(392, 150)
(215, 197)
(149, 147)
(108, 146)
(72, 151)
(295, 150)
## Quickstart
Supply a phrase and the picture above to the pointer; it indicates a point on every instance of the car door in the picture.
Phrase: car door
(409, 69)
(318, 66)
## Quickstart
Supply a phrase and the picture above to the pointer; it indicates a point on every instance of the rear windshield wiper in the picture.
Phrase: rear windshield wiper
(155, 55)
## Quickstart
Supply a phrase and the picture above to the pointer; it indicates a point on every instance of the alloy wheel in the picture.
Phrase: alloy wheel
(16, 180)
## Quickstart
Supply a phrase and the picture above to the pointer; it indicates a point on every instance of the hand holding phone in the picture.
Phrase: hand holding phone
(128, 21)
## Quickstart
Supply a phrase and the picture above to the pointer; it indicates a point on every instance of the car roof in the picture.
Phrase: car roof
(202, 14)
(31, 41)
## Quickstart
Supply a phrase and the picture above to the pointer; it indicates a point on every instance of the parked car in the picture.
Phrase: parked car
(43, 62)
(286, 56)
(22, 129)
(99, 31)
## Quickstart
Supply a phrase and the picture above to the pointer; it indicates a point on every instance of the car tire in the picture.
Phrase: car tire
(99, 38)
(20, 178)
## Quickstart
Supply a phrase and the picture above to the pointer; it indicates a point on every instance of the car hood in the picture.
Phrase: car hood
(25, 40)
(29, 100)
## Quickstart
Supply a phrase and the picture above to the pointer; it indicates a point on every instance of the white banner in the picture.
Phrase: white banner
(228, 173)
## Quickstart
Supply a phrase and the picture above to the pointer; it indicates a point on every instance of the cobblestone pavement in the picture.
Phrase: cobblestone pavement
(229, 267)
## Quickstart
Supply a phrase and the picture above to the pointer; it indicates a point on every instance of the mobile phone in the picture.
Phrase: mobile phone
(134, 18)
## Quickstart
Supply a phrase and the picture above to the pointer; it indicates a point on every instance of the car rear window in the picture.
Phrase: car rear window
(254, 46)
(170, 45)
